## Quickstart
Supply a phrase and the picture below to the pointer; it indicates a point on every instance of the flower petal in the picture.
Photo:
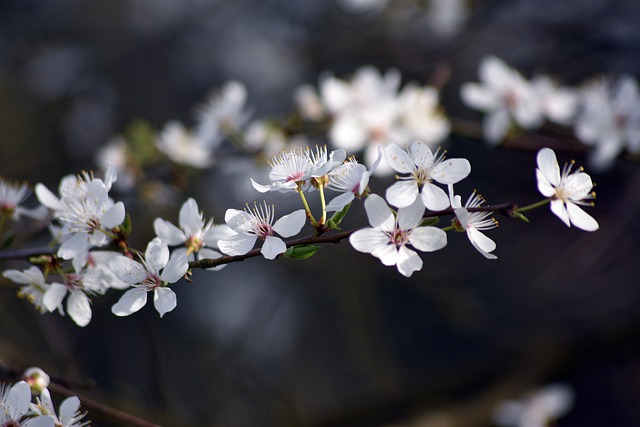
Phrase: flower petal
(54, 296)
(559, 209)
(398, 158)
(379, 214)
(434, 197)
(402, 193)
(127, 270)
(428, 239)
(368, 240)
(176, 267)
(580, 218)
(132, 301)
(239, 244)
(190, 218)
(78, 308)
(68, 409)
(18, 401)
(544, 186)
(339, 202)
(156, 255)
(290, 225)
(548, 165)
(272, 247)
(496, 125)
(114, 216)
(482, 243)
(164, 300)
(421, 154)
(410, 217)
(168, 232)
(408, 261)
(451, 171)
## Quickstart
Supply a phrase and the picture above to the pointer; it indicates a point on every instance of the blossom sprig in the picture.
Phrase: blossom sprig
(473, 223)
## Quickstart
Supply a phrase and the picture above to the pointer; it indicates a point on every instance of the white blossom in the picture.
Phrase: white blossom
(473, 222)
(567, 190)
(351, 179)
(538, 409)
(15, 406)
(389, 235)
(556, 103)
(34, 288)
(251, 224)
(152, 273)
(182, 147)
(420, 167)
(11, 197)
(68, 415)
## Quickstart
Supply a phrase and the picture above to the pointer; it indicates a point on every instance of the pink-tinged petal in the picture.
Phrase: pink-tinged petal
(290, 225)
(164, 300)
(434, 197)
(79, 308)
(272, 247)
(402, 193)
(176, 267)
(580, 218)
(479, 97)
(421, 154)
(482, 243)
(47, 198)
(239, 244)
(398, 158)
(127, 270)
(548, 165)
(410, 216)
(428, 239)
(496, 125)
(559, 209)
(78, 243)
(68, 409)
(168, 232)
(18, 400)
(339, 202)
(451, 171)
(379, 214)
(132, 301)
(156, 255)
(579, 185)
(53, 297)
(368, 240)
(190, 219)
(114, 216)
(408, 261)
(544, 186)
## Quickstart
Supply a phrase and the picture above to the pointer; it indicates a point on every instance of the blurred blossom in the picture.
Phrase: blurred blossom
(37, 379)
(609, 120)
(115, 152)
(181, 146)
(558, 104)
(446, 17)
(11, 197)
(364, 5)
(34, 286)
(263, 136)
(538, 409)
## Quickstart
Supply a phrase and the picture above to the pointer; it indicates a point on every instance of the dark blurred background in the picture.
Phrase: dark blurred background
(338, 339)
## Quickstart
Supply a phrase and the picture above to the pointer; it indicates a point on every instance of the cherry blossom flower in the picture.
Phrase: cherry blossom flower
(194, 235)
(388, 236)
(539, 409)
(146, 276)
(37, 379)
(182, 147)
(421, 167)
(251, 224)
(34, 288)
(15, 405)
(352, 179)
(69, 411)
(558, 104)
(567, 190)
(11, 197)
(473, 222)
(609, 120)
(115, 152)
(504, 95)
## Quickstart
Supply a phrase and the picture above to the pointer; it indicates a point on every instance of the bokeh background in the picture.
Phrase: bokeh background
(337, 339)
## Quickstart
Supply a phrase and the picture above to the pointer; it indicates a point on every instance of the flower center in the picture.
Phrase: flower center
(399, 237)
(152, 281)
(421, 176)
(193, 244)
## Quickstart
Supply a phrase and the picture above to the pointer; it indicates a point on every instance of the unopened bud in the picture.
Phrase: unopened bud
(37, 379)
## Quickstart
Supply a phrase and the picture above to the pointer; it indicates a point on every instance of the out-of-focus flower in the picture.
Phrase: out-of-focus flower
(69, 412)
(34, 287)
(115, 152)
(151, 274)
(539, 409)
(567, 190)
(182, 147)
(194, 235)
(364, 5)
(15, 405)
(265, 137)
(609, 120)
(473, 222)
(37, 379)
(421, 167)
(388, 236)
(352, 179)
(504, 95)
(11, 197)
(557, 103)
(251, 224)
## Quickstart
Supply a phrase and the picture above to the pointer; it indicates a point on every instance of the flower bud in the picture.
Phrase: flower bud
(37, 379)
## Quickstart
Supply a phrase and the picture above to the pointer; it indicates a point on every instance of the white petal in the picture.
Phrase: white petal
(18, 400)
(408, 261)
(47, 198)
(398, 158)
(451, 171)
(387, 254)
(190, 219)
(132, 301)
(402, 193)
(579, 185)
(434, 197)
(114, 216)
(339, 202)
(238, 220)
(18, 276)
(164, 300)
(544, 186)
(348, 132)
(176, 267)
(479, 97)
(482, 243)
(580, 218)
(495, 126)
(428, 239)
(559, 209)
(379, 214)
(79, 308)
(168, 232)
(272, 247)
(421, 154)
(290, 225)
(69, 407)
(239, 244)
(41, 421)
(548, 165)
(78, 243)
(53, 297)
(215, 233)
(156, 255)
(127, 270)
(368, 240)
(410, 216)
(261, 187)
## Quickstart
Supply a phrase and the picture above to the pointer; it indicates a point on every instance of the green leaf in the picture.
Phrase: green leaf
(431, 220)
(337, 217)
(518, 215)
(126, 226)
(8, 240)
(301, 251)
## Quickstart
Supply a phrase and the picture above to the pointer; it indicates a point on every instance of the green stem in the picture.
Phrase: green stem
(324, 204)
(533, 206)
(449, 228)
(314, 223)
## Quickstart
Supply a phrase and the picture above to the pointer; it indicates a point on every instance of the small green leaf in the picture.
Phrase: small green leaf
(518, 215)
(301, 251)
(430, 220)
(337, 217)
(8, 240)
(126, 226)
